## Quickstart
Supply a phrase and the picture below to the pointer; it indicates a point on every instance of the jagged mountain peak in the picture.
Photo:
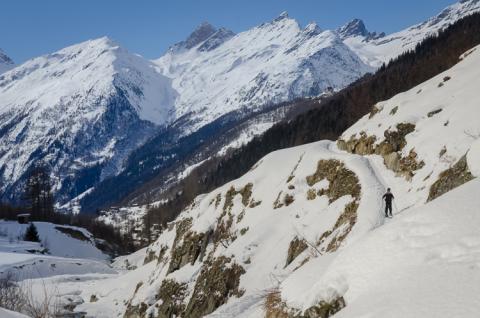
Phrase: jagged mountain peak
(355, 27)
(378, 49)
(281, 16)
(201, 33)
(4, 58)
(312, 29)
(282, 19)
(216, 39)
(6, 63)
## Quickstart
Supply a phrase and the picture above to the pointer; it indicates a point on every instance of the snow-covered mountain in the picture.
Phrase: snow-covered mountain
(81, 110)
(216, 72)
(6, 63)
(305, 235)
(376, 49)
(85, 108)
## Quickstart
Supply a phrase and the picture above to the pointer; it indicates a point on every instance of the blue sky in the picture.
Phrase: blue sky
(29, 28)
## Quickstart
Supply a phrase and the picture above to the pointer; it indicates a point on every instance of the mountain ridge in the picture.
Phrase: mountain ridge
(52, 105)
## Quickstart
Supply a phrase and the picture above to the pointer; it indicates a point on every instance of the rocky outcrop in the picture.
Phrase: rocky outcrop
(342, 181)
(275, 307)
(451, 178)
(192, 246)
(295, 248)
(325, 309)
(245, 192)
(149, 257)
(186, 247)
(172, 295)
(135, 311)
(343, 226)
(390, 149)
(219, 280)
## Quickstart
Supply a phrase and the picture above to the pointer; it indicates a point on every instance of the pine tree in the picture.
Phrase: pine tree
(38, 193)
(31, 234)
(147, 223)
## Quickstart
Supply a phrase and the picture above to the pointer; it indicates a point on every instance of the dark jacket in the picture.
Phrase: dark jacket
(388, 197)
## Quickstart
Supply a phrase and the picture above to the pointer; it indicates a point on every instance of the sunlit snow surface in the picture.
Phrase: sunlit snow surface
(425, 261)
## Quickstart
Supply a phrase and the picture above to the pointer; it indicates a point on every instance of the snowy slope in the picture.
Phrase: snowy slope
(309, 228)
(65, 254)
(376, 50)
(443, 107)
(53, 237)
(6, 63)
(84, 107)
(10, 314)
(271, 63)
(423, 264)
(256, 235)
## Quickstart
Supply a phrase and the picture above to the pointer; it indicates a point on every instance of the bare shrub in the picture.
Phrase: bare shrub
(19, 297)
(11, 295)
(273, 305)
(43, 305)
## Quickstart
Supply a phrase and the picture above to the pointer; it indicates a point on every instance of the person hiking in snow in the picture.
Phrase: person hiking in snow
(388, 197)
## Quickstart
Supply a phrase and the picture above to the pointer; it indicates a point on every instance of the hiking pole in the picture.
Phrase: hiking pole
(395, 205)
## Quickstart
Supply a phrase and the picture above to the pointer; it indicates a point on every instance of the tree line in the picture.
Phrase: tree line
(38, 201)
